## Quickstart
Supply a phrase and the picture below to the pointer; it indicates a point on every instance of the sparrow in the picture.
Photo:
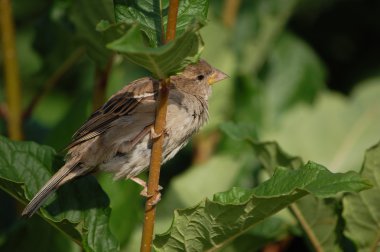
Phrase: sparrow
(118, 137)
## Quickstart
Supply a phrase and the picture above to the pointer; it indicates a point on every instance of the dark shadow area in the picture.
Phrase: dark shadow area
(81, 194)
(346, 35)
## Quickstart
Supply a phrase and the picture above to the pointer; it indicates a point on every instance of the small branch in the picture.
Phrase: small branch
(230, 10)
(101, 80)
(11, 71)
(53, 80)
(306, 227)
(172, 20)
(156, 156)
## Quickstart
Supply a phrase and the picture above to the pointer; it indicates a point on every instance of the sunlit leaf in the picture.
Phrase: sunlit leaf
(317, 217)
(213, 223)
(335, 130)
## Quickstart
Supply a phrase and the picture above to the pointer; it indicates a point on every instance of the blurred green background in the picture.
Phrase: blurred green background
(303, 73)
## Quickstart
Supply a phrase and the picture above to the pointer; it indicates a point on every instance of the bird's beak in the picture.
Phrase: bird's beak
(216, 76)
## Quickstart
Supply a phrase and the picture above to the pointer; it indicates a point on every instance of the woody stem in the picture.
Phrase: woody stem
(156, 156)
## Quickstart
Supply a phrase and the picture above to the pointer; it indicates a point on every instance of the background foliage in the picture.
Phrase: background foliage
(303, 73)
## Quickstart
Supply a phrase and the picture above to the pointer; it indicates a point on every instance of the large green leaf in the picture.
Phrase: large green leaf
(335, 130)
(164, 60)
(152, 15)
(317, 217)
(214, 223)
(79, 209)
(147, 19)
(186, 189)
(361, 211)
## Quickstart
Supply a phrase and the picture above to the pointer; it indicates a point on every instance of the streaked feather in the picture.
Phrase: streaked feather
(58, 179)
(121, 104)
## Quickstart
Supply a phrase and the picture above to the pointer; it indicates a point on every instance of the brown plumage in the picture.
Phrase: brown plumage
(117, 137)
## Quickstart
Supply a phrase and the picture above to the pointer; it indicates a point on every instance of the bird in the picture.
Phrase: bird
(117, 137)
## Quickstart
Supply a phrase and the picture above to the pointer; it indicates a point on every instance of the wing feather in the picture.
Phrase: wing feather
(122, 103)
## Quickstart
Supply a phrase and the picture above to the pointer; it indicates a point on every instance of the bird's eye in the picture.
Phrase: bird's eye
(200, 77)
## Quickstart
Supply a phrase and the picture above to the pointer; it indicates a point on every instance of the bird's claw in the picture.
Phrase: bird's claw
(154, 134)
(156, 197)
(144, 192)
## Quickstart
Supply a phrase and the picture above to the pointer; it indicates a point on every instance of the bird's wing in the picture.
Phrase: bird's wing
(120, 104)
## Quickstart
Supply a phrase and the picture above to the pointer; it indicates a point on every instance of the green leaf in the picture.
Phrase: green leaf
(335, 130)
(213, 223)
(148, 19)
(79, 209)
(317, 217)
(187, 188)
(164, 60)
(361, 211)
(151, 15)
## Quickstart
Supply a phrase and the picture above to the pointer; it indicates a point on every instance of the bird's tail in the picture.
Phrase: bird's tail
(62, 176)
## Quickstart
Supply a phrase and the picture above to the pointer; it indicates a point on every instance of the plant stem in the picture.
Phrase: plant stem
(156, 156)
(154, 171)
(306, 227)
(172, 20)
(230, 10)
(53, 79)
(11, 71)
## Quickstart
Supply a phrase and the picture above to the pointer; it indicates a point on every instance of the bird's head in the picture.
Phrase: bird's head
(197, 79)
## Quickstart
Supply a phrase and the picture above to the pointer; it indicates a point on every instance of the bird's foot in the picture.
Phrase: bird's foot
(154, 134)
(144, 192)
